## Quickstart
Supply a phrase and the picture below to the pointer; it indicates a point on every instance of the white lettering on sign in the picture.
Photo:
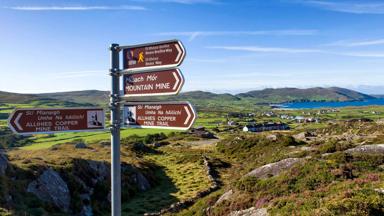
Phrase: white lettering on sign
(173, 112)
(135, 79)
(163, 86)
(155, 107)
(74, 117)
(139, 87)
(151, 78)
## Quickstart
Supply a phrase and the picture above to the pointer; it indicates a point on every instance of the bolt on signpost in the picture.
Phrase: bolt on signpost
(149, 70)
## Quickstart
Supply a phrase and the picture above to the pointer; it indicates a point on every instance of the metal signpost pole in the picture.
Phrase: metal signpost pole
(115, 132)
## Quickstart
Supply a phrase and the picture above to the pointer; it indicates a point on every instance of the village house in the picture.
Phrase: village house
(265, 127)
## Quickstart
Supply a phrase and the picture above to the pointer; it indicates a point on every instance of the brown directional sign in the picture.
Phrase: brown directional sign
(167, 115)
(50, 120)
(167, 82)
(157, 55)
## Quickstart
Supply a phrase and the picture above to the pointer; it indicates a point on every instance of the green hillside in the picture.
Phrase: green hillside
(310, 94)
(88, 96)
(200, 99)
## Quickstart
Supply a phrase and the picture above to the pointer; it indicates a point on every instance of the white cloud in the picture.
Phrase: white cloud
(357, 43)
(356, 7)
(365, 54)
(259, 49)
(75, 8)
(281, 50)
(194, 34)
(180, 1)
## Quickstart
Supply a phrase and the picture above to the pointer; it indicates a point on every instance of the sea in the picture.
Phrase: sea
(319, 105)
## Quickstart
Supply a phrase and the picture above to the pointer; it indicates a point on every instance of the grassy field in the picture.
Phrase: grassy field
(182, 176)
(46, 141)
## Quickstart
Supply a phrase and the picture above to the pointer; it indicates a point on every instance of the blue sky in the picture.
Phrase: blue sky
(232, 46)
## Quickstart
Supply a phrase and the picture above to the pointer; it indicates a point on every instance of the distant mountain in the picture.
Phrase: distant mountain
(310, 94)
(8, 97)
(65, 99)
(198, 98)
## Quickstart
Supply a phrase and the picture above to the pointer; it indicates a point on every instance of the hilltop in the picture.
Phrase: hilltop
(310, 94)
(200, 99)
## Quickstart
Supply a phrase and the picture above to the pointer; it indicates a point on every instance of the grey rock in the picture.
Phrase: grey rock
(226, 196)
(100, 170)
(379, 190)
(86, 211)
(3, 163)
(250, 212)
(368, 149)
(304, 136)
(51, 188)
(141, 181)
(272, 137)
(274, 169)
(81, 146)
(105, 143)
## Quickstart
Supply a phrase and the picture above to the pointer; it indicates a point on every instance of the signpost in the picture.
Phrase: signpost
(170, 115)
(149, 70)
(50, 120)
(165, 54)
(167, 82)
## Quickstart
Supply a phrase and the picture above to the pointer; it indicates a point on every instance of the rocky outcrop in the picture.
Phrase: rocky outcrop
(226, 196)
(50, 187)
(3, 163)
(271, 137)
(305, 136)
(141, 182)
(100, 170)
(81, 145)
(367, 149)
(250, 212)
(274, 169)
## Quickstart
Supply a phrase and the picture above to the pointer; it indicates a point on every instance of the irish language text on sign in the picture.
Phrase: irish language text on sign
(167, 82)
(171, 115)
(34, 121)
(155, 55)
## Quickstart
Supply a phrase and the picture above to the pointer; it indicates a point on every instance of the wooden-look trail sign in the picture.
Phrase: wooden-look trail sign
(171, 115)
(166, 54)
(148, 70)
(50, 120)
(167, 82)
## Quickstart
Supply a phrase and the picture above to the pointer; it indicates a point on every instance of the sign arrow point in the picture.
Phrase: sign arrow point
(177, 81)
(179, 52)
(189, 115)
(17, 121)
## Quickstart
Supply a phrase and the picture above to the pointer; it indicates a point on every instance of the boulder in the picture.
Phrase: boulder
(100, 170)
(50, 187)
(272, 137)
(86, 211)
(304, 136)
(367, 149)
(81, 145)
(250, 212)
(105, 143)
(141, 181)
(226, 196)
(379, 190)
(3, 163)
(274, 169)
